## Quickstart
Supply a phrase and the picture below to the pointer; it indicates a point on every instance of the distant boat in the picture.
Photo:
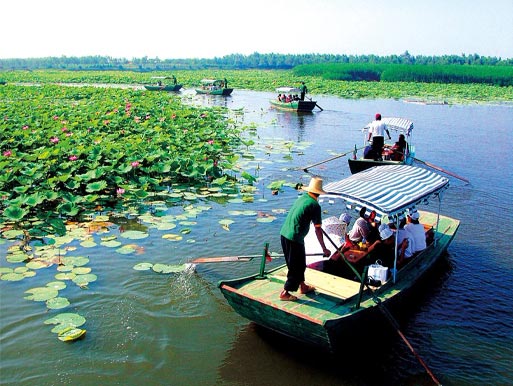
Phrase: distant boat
(214, 87)
(341, 305)
(161, 84)
(388, 157)
(294, 104)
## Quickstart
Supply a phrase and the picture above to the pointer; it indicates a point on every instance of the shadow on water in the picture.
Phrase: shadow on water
(373, 354)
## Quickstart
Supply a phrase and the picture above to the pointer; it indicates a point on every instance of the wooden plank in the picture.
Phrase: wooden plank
(325, 283)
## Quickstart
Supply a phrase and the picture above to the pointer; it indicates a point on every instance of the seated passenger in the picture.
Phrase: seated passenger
(360, 229)
(370, 153)
(279, 97)
(417, 230)
(400, 149)
(384, 248)
(405, 242)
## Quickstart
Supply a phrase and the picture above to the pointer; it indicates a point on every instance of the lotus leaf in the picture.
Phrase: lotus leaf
(167, 268)
(134, 235)
(65, 268)
(81, 270)
(12, 276)
(187, 223)
(29, 274)
(4, 270)
(143, 266)
(165, 226)
(126, 249)
(70, 334)
(172, 237)
(235, 200)
(17, 257)
(58, 285)
(88, 243)
(68, 319)
(20, 269)
(57, 303)
(226, 221)
(77, 261)
(41, 294)
(111, 244)
(83, 280)
(12, 234)
(65, 276)
(266, 219)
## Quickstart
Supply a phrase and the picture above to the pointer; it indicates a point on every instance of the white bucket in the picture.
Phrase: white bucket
(378, 272)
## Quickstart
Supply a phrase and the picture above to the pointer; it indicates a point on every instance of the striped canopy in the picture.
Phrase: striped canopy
(389, 189)
(402, 125)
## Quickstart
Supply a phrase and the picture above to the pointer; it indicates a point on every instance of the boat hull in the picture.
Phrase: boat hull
(299, 106)
(224, 91)
(174, 87)
(330, 315)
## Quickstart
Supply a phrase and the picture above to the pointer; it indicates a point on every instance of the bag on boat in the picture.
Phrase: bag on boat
(378, 272)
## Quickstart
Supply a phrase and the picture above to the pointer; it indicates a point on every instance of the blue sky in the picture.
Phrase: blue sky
(209, 28)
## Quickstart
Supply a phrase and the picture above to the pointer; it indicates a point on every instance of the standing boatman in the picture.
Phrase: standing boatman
(377, 129)
(305, 210)
(303, 90)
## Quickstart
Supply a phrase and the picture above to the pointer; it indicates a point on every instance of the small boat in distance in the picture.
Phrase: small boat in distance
(161, 84)
(214, 87)
(294, 103)
(390, 155)
(344, 305)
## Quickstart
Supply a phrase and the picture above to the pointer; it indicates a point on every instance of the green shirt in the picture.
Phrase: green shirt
(297, 224)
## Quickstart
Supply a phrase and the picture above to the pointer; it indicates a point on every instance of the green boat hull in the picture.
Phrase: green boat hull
(299, 106)
(171, 87)
(223, 91)
(330, 316)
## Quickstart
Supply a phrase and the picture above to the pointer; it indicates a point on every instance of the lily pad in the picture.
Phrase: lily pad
(41, 294)
(81, 270)
(12, 276)
(57, 303)
(66, 318)
(58, 285)
(70, 334)
(143, 266)
(172, 237)
(65, 276)
(36, 264)
(134, 235)
(83, 280)
(266, 219)
(168, 268)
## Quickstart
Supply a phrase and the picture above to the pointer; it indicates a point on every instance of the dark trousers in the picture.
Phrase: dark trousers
(295, 257)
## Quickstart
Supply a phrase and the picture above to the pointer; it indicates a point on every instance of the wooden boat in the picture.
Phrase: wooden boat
(395, 125)
(304, 106)
(162, 86)
(214, 87)
(340, 305)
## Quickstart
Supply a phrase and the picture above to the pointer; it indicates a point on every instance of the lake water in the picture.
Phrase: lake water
(177, 329)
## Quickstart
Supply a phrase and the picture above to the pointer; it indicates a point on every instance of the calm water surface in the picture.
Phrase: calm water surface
(152, 329)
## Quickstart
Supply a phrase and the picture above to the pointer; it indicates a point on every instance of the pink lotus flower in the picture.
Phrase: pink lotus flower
(25, 127)
(210, 141)
(173, 116)
(73, 158)
(55, 117)
(135, 164)
(120, 190)
(7, 153)
(54, 140)
(64, 129)
(137, 119)
(203, 115)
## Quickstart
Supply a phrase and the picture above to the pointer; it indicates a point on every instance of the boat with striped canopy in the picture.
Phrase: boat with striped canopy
(342, 305)
(388, 156)
(214, 87)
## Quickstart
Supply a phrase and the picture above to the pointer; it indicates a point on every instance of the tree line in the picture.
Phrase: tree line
(270, 61)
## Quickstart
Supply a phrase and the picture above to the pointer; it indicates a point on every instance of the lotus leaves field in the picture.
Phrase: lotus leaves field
(259, 80)
(78, 161)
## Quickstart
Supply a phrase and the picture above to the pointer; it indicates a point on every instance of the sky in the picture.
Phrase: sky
(167, 29)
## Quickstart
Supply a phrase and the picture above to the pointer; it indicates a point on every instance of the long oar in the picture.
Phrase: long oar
(442, 170)
(387, 314)
(320, 108)
(223, 259)
(305, 168)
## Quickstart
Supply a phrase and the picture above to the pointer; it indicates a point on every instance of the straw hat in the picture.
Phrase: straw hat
(315, 186)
